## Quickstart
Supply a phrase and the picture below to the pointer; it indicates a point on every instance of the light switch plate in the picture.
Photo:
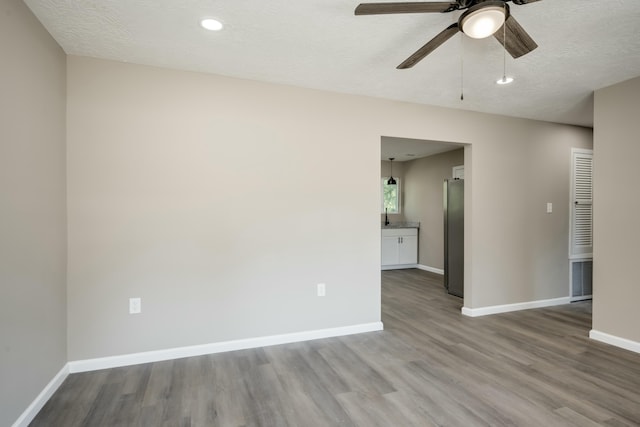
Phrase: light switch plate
(322, 289)
(549, 207)
(135, 305)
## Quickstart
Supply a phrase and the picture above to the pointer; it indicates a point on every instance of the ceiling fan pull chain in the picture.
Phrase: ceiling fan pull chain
(461, 67)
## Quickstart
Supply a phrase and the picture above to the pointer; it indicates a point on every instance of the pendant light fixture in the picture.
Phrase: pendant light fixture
(391, 180)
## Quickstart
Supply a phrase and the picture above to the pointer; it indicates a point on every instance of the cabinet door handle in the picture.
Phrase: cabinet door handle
(402, 240)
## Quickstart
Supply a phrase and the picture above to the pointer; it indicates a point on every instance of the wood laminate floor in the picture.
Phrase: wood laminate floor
(431, 366)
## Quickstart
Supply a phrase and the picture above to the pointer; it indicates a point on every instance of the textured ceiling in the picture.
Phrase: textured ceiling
(584, 45)
(405, 149)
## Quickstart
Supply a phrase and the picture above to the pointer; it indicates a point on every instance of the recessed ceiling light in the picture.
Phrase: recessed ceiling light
(211, 24)
(505, 80)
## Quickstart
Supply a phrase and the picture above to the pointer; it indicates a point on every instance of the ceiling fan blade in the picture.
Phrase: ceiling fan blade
(519, 42)
(425, 50)
(521, 2)
(406, 7)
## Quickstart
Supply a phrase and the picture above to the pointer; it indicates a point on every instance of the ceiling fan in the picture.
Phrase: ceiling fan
(482, 18)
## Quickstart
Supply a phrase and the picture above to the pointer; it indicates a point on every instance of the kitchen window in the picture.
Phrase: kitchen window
(390, 196)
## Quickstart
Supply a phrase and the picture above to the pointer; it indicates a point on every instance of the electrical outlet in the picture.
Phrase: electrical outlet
(322, 289)
(549, 207)
(135, 305)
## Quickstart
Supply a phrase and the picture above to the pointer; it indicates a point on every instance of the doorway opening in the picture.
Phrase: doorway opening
(414, 237)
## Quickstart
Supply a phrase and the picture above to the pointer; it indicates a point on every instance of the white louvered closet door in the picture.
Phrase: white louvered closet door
(581, 234)
(581, 239)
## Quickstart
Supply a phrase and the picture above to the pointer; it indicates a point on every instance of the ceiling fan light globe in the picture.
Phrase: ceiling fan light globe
(482, 23)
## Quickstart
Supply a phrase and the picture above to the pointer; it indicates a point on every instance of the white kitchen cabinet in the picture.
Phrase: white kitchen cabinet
(399, 248)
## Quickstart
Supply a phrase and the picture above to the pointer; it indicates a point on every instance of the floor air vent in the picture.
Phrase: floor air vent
(581, 279)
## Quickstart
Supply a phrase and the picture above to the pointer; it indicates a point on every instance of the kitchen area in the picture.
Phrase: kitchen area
(413, 184)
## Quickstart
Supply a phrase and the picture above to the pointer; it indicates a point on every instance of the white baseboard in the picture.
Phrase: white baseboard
(219, 347)
(398, 267)
(431, 269)
(614, 340)
(495, 309)
(30, 413)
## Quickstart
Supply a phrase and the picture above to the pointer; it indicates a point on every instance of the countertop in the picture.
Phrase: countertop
(393, 225)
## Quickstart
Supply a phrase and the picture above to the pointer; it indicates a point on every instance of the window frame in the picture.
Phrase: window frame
(383, 184)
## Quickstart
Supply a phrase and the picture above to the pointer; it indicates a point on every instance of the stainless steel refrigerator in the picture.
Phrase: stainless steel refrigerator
(454, 236)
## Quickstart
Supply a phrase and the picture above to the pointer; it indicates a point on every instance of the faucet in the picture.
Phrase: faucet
(386, 218)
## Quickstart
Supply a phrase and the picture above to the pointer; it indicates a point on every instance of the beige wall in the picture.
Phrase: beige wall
(616, 232)
(32, 209)
(159, 209)
(424, 179)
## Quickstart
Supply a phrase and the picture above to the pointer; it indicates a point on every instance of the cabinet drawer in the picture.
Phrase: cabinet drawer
(399, 232)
